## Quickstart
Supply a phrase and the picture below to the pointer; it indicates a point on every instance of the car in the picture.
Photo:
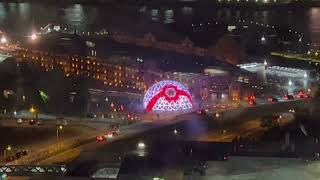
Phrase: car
(272, 99)
(19, 121)
(302, 94)
(288, 97)
(18, 155)
(110, 134)
(252, 102)
(32, 122)
(201, 112)
(10, 158)
(100, 138)
(64, 122)
(39, 123)
(116, 131)
(24, 152)
(292, 110)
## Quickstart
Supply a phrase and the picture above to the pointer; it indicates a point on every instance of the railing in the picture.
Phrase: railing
(54, 149)
(33, 170)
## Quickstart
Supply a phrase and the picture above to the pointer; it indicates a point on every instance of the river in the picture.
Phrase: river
(23, 18)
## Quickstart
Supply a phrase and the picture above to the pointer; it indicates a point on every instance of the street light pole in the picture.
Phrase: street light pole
(4, 152)
(58, 128)
(57, 135)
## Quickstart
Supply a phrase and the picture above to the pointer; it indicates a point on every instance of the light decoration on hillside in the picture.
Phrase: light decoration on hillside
(167, 95)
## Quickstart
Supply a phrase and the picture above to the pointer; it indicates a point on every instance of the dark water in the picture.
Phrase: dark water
(23, 18)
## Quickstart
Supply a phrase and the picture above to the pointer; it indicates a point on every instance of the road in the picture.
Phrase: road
(35, 137)
(188, 127)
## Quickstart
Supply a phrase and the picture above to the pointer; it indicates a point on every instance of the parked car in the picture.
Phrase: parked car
(39, 122)
(201, 112)
(18, 155)
(288, 97)
(19, 121)
(272, 99)
(10, 158)
(100, 138)
(24, 152)
(32, 122)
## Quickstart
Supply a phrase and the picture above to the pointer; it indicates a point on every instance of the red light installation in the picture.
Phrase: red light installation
(167, 96)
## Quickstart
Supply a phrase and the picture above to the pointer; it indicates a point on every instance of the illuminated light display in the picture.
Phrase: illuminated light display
(167, 95)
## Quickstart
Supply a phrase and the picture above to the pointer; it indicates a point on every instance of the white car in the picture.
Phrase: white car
(109, 135)
(62, 122)
(19, 121)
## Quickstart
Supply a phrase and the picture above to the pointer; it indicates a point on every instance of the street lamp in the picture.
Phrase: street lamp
(290, 83)
(3, 40)
(141, 145)
(59, 128)
(265, 62)
(33, 36)
(32, 109)
(8, 148)
(263, 39)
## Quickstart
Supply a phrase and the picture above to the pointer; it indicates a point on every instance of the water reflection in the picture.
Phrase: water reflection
(168, 16)
(74, 16)
(187, 11)
(20, 17)
(3, 13)
(24, 10)
(314, 24)
(155, 15)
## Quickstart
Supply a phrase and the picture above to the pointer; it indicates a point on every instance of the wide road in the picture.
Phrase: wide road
(36, 137)
(85, 159)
